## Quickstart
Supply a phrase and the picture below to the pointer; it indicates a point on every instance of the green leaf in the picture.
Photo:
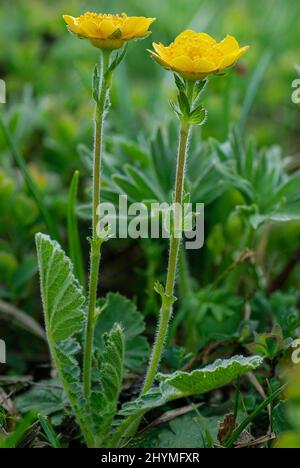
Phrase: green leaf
(48, 398)
(96, 83)
(188, 431)
(49, 431)
(61, 293)
(116, 35)
(198, 116)
(117, 308)
(199, 88)
(200, 381)
(15, 438)
(105, 396)
(179, 83)
(65, 316)
(184, 104)
(117, 60)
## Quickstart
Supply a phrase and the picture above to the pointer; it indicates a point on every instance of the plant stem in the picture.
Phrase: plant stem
(95, 254)
(130, 425)
(167, 302)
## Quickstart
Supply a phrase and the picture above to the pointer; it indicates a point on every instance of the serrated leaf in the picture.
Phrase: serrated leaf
(183, 384)
(61, 292)
(47, 398)
(117, 308)
(189, 431)
(221, 373)
(105, 396)
(64, 317)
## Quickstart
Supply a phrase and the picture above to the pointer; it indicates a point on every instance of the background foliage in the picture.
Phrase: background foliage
(238, 294)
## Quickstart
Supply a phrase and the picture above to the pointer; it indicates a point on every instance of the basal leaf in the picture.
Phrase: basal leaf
(106, 394)
(200, 381)
(47, 398)
(64, 316)
(183, 384)
(189, 431)
(117, 308)
(61, 293)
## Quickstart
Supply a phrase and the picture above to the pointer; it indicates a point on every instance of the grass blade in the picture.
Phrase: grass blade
(75, 251)
(33, 188)
(253, 88)
(244, 424)
(49, 431)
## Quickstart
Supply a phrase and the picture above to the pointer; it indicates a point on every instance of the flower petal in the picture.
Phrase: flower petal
(143, 26)
(202, 65)
(159, 60)
(206, 38)
(228, 45)
(72, 23)
(90, 29)
(232, 58)
(130, 25)
(182, 63)
(107, 28)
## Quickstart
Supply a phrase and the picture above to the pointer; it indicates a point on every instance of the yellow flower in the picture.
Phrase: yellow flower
(109, 31)
(197, 55)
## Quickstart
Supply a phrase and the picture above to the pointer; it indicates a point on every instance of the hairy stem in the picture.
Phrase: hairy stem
(167, 302)
(95, 254)
(130, 425)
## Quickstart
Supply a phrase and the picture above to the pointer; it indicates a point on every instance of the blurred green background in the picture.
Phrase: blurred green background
(49, 113)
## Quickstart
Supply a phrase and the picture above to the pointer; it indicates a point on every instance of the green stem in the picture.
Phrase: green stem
(167, 302)
(130, 425)
(95, 254)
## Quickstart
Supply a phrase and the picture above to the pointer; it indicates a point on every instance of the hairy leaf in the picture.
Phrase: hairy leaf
(200, 381)
(105, 396)
(117, 308)
(61, 293)
(189, 431)
(64, 316)
(47, 398)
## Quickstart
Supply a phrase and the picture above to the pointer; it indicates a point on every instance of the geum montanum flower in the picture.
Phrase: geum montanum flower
(106, 31)
(194, 56)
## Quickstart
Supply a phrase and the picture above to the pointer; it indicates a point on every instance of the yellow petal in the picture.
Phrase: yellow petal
(182, 63)
(107, 28)
(143, 26)
(206, 37)
(232, 58)
(90, 29)
(159, 60)
(202, 65)
(130, 25)
(72, 23)
(160, 49)
(228, 45)
(185, 34)
(242, 51)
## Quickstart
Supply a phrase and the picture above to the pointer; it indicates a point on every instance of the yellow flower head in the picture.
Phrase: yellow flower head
(109, 31)
(197, 55)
